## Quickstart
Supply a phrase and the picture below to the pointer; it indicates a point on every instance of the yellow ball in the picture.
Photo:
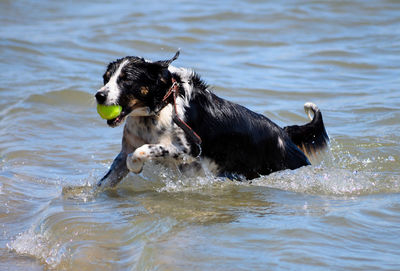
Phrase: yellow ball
(109, 112)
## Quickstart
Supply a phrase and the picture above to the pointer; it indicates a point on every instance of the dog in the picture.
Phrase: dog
(173, 117)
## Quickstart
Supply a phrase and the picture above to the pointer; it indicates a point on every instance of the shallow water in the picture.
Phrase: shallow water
(342, 213)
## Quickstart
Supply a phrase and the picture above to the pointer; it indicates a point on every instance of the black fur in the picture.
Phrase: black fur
(311, 137)
(239, 141)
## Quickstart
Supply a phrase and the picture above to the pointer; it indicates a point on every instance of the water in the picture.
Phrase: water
(342, 213)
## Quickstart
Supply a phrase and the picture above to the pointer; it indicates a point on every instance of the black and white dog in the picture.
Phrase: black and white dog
(173, 117)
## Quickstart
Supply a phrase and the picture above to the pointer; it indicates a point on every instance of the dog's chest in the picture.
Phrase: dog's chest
(145, 130)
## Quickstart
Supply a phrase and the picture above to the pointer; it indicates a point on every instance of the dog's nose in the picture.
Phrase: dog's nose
(101, 97)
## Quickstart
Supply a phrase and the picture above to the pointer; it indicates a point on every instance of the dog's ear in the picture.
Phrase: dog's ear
(166, 63)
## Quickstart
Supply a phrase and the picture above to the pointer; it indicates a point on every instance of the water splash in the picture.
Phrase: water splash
(195, 184)
(329, 181)
(41, 245)
(338, 172)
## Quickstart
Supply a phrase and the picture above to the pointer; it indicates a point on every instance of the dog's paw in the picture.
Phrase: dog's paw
(134, 164)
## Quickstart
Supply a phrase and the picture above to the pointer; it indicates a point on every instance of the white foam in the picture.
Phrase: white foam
(38, 245)
(339, 174)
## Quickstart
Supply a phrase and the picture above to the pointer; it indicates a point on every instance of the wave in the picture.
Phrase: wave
(66, 96)
(83, 211)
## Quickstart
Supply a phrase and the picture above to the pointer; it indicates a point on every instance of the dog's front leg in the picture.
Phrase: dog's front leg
(117, 172)
(135, 160)
(118, 169)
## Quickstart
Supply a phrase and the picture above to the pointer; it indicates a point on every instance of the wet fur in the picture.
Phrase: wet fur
(235, 140)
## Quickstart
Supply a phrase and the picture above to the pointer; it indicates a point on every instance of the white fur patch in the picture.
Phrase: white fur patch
(111, 88)
(310, 108)
(165, 116)
(280, 143)
(185, 75)
(141, 112)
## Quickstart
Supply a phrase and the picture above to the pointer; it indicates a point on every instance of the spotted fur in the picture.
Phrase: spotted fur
(236, 142)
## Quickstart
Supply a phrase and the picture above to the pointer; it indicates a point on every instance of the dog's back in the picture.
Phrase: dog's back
(243, 142)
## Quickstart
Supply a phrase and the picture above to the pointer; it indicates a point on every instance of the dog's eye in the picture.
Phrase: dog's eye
(106, 77)
(144, 91)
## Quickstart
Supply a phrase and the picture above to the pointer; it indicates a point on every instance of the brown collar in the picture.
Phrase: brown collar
(174, 91)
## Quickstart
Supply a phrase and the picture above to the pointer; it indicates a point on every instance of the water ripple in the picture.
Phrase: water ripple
(339, 214)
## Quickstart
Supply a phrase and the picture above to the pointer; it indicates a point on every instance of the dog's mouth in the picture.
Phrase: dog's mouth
(118, 120)
(135, 110)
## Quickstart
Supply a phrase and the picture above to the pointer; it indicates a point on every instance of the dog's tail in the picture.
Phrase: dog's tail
(311, 138)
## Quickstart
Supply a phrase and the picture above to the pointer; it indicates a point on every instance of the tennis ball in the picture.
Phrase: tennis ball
(109, 112)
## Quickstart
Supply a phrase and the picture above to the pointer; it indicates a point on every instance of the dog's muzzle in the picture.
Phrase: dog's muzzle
(101, 97)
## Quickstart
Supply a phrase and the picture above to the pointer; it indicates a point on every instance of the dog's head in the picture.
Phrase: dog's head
(137, 85)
